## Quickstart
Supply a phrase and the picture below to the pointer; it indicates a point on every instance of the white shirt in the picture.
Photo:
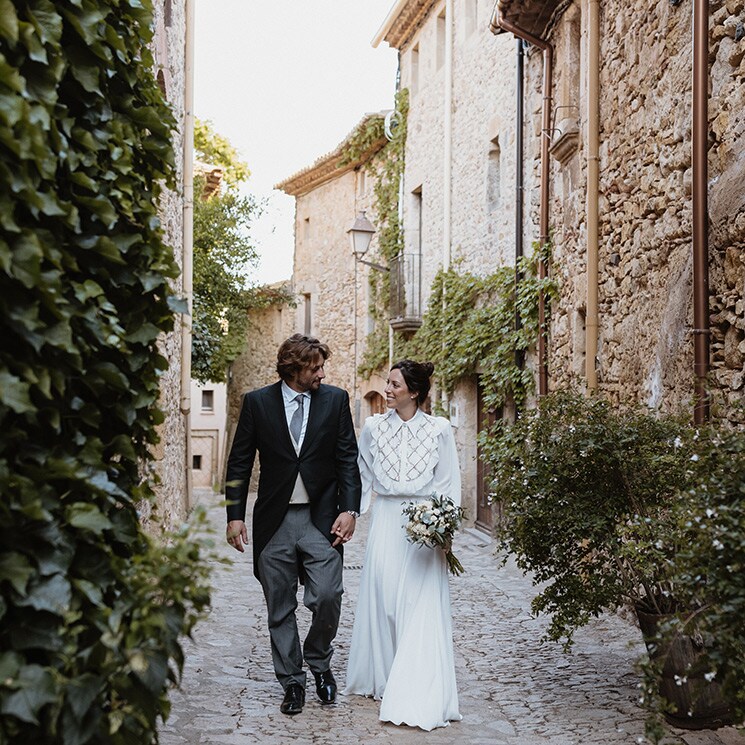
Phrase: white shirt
(299, 492)
(416, 458)
(290, 407)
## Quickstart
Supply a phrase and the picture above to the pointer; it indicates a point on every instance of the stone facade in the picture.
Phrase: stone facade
(482, 168)
(330, 288)
(645, 348)
(171, 453)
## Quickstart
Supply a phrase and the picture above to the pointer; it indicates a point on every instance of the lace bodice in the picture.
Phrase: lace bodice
(412, 458)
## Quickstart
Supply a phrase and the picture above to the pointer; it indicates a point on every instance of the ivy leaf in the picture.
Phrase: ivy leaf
(14, 393)
(16, 569)
(8, 21)
(52, 595)
(178, 304)
(35, 690)
(87, 517)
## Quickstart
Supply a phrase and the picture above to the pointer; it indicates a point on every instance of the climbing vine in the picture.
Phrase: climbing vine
(485, 323)
(91, 608)
(386, 170)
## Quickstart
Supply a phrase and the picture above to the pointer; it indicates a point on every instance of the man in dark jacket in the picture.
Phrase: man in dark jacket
(306, 509)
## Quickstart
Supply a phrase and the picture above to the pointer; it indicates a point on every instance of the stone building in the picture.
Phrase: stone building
(458, 188)
(596, 159)
(171, 53)
(209, 411)
(621, 97)
(330, 288)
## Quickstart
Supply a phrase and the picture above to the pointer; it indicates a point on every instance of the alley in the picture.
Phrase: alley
(513, 689)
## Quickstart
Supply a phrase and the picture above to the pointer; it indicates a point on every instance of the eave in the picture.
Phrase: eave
(533, 16)
(331, 166)
(403, 20)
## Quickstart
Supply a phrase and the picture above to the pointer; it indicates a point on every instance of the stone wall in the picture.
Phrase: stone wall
(257, 365)
(645, 287)
(482, 172)
(171, 452)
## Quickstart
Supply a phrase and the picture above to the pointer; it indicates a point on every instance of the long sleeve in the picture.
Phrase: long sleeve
(447, 471)
(347, 472)
(365, 464)
(240, 463)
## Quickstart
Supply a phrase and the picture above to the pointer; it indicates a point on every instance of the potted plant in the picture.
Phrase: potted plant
(709, 578)
(588, 494)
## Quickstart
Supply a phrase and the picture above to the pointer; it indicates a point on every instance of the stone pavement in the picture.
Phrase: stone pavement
(513, 689)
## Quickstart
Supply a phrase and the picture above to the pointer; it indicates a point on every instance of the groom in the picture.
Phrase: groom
(306, 509)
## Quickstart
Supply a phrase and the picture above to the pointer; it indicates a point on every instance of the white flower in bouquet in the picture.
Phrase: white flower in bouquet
(432, 523)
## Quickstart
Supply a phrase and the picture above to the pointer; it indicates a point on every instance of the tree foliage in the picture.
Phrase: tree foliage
(91, 610)
(215, 149)
(224, 256)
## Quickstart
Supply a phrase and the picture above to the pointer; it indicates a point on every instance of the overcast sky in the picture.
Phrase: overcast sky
(285, 81)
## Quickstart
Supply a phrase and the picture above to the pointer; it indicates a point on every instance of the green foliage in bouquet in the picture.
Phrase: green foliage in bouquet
(91, 610)
(586, 491)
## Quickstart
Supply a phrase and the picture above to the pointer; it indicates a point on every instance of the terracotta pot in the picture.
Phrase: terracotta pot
(698, 703)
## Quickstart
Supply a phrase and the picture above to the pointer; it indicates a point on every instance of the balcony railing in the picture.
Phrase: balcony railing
(406, 292)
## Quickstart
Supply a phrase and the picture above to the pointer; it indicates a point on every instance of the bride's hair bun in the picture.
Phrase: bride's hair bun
(416, 375)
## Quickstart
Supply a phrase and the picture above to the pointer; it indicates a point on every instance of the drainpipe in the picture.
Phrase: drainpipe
(519, 186)
(188, 240)
(447, 155)
(448, 132)
(700, 131)
(593, 150)
(499, 22)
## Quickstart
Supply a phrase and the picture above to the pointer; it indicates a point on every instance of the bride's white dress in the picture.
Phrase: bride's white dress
(402, 646)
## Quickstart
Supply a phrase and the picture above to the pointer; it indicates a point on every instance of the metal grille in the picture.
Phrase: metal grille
(406, 291)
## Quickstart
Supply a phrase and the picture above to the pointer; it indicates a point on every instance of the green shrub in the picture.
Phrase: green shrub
(586, 492)
(90, 609)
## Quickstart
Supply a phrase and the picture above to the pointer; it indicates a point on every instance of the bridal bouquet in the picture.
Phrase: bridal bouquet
(433, 522)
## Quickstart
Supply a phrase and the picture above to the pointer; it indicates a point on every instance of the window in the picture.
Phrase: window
(306, 228)
(440, 61)
(308, 324)
(414, 62)
(167, 12)
(494, 176)
(196, 462)
(208, 400)
(361, 182)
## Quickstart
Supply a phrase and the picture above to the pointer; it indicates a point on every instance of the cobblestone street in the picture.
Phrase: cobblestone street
(513, 689)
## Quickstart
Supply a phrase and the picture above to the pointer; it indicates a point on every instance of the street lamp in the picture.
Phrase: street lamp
(360, 235)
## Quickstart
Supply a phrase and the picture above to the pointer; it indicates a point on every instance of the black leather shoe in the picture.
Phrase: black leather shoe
(294, 699)
(325, 687)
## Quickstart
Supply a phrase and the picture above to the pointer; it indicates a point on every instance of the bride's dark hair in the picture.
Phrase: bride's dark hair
(416, 375)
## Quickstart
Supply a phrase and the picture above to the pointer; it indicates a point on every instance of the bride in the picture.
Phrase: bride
(402, 647)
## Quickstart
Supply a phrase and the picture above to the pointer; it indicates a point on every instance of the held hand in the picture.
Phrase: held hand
(237, 534)
(343, 528)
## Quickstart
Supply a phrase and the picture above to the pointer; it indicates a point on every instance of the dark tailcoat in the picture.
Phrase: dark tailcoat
(327, 461)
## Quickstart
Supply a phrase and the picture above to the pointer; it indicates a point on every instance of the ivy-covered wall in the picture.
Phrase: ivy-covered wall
(90, 608)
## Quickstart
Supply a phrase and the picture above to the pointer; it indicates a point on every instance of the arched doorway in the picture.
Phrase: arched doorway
(375, 403)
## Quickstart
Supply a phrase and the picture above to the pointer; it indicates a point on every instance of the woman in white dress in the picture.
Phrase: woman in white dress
(402, 646)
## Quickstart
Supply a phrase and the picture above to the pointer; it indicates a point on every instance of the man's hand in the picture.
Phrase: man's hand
(343, 528)
(237, 534)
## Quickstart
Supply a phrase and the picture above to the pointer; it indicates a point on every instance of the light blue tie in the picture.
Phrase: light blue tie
(296, 423)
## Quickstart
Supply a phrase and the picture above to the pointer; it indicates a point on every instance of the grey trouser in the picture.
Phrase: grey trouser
(297, 541)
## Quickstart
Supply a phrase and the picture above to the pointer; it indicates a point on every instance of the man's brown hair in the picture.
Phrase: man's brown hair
(297, 353)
